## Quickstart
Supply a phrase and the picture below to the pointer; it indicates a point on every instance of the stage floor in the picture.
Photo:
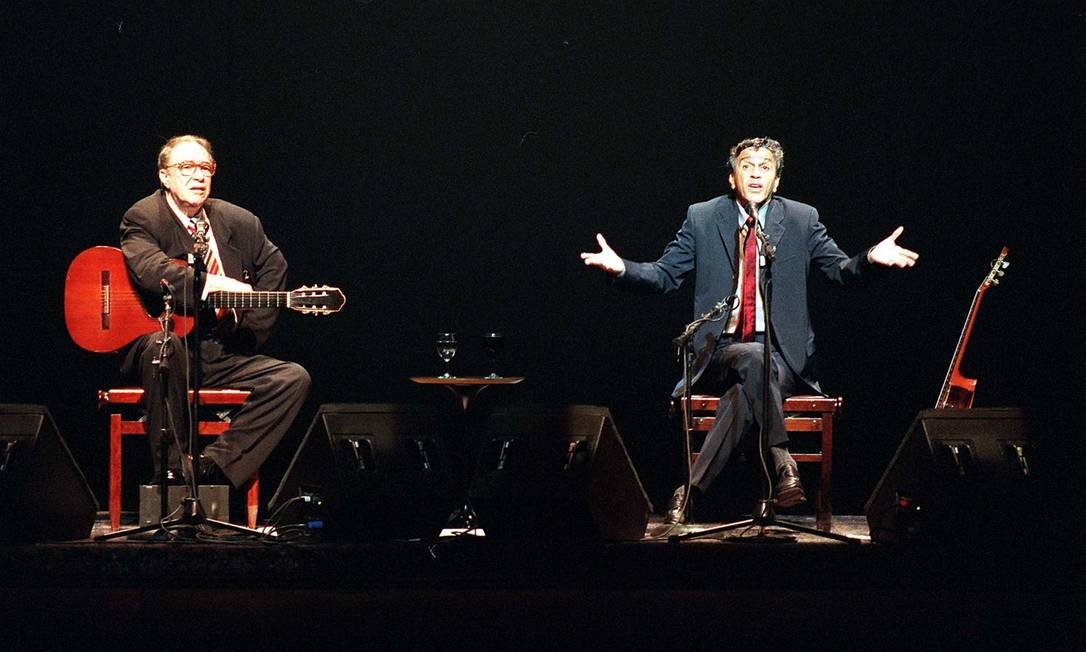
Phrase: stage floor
(467, 591)
(854, 527)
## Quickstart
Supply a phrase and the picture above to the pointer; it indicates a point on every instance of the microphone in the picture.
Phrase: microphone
(767, 248)
(167, 312)
(727, 303)
(715, 313)
(200, 236)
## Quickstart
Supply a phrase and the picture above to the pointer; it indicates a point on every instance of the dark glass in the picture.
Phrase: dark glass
(493, 344)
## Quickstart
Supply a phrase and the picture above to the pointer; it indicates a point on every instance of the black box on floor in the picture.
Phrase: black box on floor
(380, 471)
(557, 472)
(43, 494)
(215, 499)
(961, 476)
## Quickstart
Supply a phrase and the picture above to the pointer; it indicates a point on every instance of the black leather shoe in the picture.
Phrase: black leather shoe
(789, 490)
(676, 508)
(208, 472)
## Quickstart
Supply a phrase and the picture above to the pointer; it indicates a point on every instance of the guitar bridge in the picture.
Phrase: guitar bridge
(104, 314)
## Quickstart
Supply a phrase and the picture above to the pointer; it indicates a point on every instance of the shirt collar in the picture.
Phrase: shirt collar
(185, 220)
(762, 210)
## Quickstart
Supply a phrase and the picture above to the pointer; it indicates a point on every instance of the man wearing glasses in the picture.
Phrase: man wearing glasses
(160, 230)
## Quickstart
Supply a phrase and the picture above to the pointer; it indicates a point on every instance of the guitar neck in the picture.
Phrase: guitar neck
(248, 300)
(957, 390)
(959, 350)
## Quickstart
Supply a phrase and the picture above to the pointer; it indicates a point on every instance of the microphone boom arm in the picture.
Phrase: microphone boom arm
(726, 304)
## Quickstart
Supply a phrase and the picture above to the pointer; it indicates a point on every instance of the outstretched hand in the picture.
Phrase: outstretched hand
(606, 259)
(888, 253)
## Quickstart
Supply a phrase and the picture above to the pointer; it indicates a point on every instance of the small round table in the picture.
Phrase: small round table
(466, 388)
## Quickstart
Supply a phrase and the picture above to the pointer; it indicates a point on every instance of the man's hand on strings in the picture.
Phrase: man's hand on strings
(606, 259)
(888, 252)
(220, 283)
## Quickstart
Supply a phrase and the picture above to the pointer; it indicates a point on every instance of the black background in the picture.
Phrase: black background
(444, 164)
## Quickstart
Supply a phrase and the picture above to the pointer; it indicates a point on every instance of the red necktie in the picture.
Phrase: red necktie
(747, 317)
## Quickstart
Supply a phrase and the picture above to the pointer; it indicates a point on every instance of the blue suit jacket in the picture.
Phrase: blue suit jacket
(706, 246)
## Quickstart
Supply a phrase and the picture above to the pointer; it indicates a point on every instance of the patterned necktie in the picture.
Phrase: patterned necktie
(745, 328)
(211, 261)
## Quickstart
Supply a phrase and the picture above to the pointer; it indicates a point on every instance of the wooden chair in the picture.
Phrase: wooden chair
(119, 426)
(802, 414)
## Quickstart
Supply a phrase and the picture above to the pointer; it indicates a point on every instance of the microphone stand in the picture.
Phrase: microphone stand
(763, 516)
(192, 512)
(684, 349)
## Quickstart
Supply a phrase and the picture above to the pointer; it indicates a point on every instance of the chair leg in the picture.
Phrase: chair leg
(823, 509)
(114, 472)
(253, 500)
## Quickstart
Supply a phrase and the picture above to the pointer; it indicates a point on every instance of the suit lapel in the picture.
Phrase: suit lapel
(228, 253)
(179, 238)
(726, 217)
(774, 221)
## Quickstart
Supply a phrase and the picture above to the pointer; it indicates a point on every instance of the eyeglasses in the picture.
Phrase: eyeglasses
(188, 168)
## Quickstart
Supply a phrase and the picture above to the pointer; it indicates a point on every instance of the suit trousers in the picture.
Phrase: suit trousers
(735, 373)
(277, 388)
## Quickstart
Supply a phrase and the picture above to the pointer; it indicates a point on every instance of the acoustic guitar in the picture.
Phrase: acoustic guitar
(103, 311)
(957, 391)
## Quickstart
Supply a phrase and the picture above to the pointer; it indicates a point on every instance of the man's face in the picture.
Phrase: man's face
(187, 176)
(754, 178)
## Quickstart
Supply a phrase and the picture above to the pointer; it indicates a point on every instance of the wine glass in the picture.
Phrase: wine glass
(493, 343)
(446, 348)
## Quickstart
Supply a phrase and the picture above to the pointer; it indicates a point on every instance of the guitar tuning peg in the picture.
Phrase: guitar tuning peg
(995, 281)
(1006, 264)
(1000, 272)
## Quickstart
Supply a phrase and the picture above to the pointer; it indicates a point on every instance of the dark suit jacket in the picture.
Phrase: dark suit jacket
(706, 245)
(151, 237)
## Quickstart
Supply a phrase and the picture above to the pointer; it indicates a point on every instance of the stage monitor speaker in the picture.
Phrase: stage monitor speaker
(959, 475)
(379, 472)
(557, 473)
(43, 494)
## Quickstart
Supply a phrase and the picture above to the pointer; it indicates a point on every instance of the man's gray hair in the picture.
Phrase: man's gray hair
(164, 153)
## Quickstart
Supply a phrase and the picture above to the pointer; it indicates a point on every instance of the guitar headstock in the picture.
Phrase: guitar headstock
(996, 273)
(317, 300)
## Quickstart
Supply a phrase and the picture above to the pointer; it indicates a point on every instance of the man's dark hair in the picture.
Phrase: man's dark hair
(758, 143)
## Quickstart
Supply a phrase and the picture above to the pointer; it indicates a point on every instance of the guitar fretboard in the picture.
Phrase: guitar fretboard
(222, 299)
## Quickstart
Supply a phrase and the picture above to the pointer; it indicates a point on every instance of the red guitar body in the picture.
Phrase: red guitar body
(102, 310)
